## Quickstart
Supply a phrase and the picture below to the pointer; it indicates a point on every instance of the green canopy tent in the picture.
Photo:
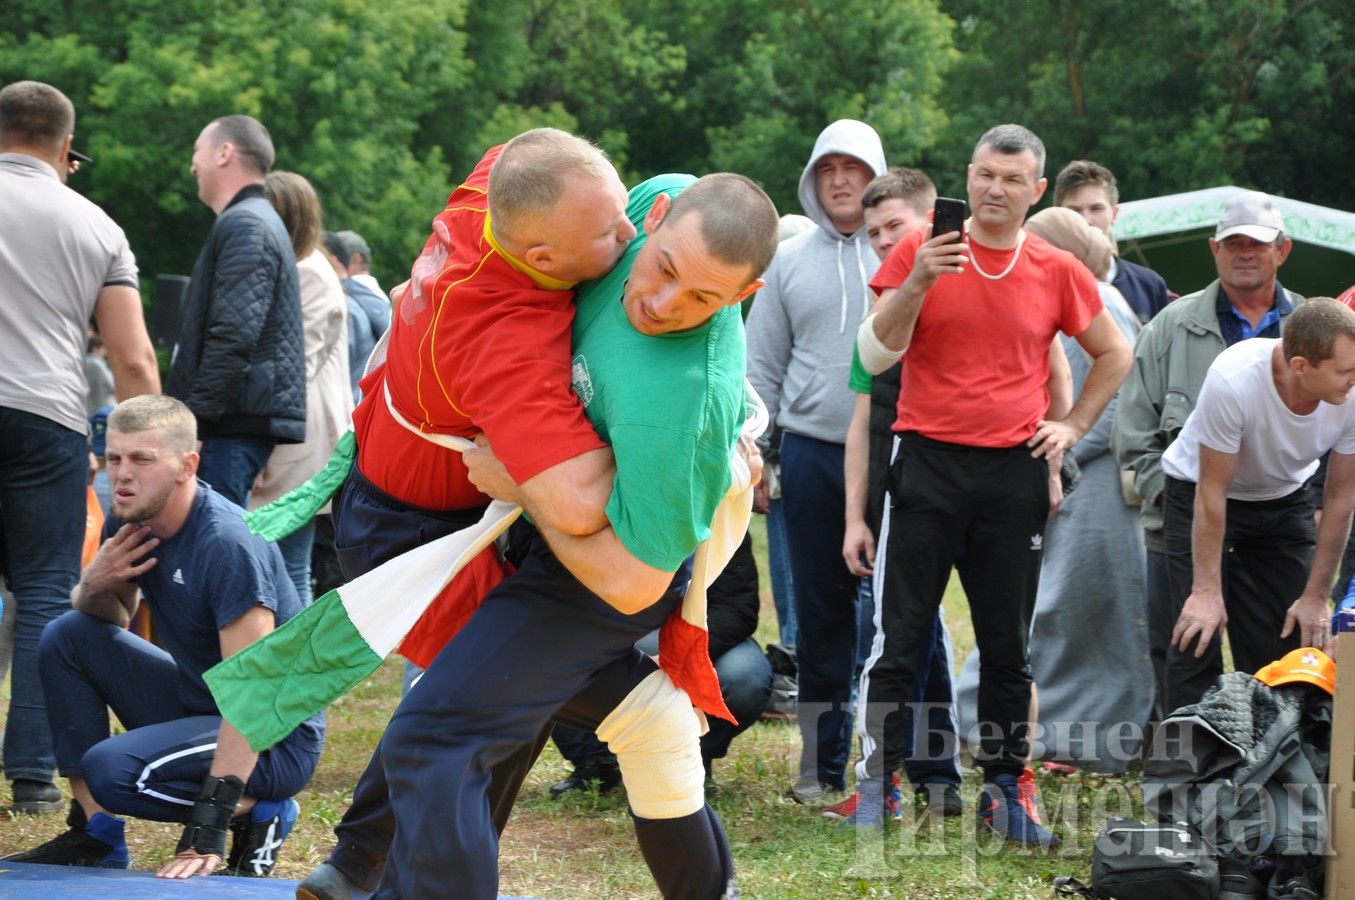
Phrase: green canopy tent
(1171, 234)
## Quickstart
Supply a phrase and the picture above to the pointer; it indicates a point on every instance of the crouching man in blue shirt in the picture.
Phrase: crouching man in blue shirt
(213, 588)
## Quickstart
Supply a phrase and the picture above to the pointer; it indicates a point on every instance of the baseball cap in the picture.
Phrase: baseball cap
(1306, 664)
(336, 245)
(356, 243)
(1253, 214)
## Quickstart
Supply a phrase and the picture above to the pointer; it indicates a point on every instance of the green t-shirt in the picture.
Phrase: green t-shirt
(859, 380)
(670, 405)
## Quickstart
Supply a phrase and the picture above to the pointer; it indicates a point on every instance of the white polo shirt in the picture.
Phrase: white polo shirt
(57, 251)
(1240, 411)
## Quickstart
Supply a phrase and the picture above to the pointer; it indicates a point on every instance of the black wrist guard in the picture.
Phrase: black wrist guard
(206, 829)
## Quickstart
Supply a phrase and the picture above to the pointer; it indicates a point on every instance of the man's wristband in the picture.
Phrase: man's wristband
(206, 830)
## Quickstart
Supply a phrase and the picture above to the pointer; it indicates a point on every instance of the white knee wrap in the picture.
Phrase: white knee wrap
(655, 733)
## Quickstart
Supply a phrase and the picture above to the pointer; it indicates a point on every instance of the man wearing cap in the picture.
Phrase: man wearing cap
(1171, 357)
(1237, 479)
(62, 259)
(359, 261)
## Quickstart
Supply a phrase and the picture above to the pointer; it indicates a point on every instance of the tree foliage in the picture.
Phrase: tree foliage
(384, 106)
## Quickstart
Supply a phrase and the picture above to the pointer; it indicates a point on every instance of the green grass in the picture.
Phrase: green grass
(583, 846)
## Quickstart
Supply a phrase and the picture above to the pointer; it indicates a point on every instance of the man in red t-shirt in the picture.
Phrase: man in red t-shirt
(975, 314)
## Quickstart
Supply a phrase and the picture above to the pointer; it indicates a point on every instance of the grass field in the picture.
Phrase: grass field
(583, 846)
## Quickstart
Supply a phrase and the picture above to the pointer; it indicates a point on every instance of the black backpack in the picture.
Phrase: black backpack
(1136, 861)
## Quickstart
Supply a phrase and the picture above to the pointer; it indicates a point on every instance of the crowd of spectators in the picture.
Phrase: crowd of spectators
(1118, 476)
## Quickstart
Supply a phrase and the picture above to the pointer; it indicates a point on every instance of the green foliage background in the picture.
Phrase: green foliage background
(385, 106)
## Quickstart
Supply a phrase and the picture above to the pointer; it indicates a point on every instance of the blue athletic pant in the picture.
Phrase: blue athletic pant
(372, 527)
(813, 496)
(538, 641)
(156, 768)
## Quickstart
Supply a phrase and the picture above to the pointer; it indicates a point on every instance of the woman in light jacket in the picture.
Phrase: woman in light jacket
(329, 397)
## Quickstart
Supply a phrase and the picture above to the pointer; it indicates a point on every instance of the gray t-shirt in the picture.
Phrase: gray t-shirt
(57, 251)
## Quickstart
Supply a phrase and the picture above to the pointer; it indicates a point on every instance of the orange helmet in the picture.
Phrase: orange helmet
(1306, 664)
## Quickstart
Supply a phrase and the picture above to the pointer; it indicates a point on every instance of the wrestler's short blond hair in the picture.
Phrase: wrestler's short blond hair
(151, 411)
(530, 175)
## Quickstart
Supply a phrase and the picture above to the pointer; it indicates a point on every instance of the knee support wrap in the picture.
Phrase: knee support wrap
(656, 735)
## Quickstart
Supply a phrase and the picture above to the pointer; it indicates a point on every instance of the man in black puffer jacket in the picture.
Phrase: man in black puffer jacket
(239, 364)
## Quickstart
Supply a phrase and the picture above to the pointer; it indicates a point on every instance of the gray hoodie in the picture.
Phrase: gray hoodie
(803, 324)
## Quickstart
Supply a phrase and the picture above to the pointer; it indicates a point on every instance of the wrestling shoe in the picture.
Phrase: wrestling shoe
(846, 809)
(328, 883)
(34, 796)
(1008, 809)
(256, 837)
(97, 844)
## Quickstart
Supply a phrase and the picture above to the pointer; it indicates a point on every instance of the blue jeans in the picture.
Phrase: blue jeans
(43, 467)
(296, 556)
(783, 586)
(230, 464)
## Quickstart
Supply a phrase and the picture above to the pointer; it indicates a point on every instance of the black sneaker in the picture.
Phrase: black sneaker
(75, 847)
(35, 797)
(607, 778)
(941, 798)
(254, 845)
(328, 883)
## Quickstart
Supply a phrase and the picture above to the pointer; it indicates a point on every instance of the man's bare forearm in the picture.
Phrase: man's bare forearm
(233, 755)
(106, 604)
(571, 497)
(1206, 539)
(1103, 380)
(1333, 532)
(856, 460)
(602, 564)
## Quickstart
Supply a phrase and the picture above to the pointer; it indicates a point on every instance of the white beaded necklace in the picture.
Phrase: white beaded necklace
(1016, 254)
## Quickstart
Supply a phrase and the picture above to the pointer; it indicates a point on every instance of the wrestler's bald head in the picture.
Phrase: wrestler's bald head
(556, 203)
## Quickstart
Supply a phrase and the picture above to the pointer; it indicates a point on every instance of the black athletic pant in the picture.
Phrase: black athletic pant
(1267, 552)
(982, 511)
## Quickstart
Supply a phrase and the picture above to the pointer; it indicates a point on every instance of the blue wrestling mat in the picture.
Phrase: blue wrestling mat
(34, 882)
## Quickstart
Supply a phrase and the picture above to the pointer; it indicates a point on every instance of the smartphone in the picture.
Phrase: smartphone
(948, 215)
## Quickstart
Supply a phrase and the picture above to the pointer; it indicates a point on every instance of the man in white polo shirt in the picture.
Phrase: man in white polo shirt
(62, 259)
(1237, 482)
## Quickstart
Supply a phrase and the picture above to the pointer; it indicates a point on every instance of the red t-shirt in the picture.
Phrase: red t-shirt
(978, 362)
(479, 343)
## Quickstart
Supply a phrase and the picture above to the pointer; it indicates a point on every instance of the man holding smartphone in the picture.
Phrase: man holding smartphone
(968, 486)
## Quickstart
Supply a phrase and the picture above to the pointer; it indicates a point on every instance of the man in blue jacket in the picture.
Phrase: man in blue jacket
(239, 364)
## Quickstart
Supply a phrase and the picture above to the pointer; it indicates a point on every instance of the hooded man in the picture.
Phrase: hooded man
(800, 336)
